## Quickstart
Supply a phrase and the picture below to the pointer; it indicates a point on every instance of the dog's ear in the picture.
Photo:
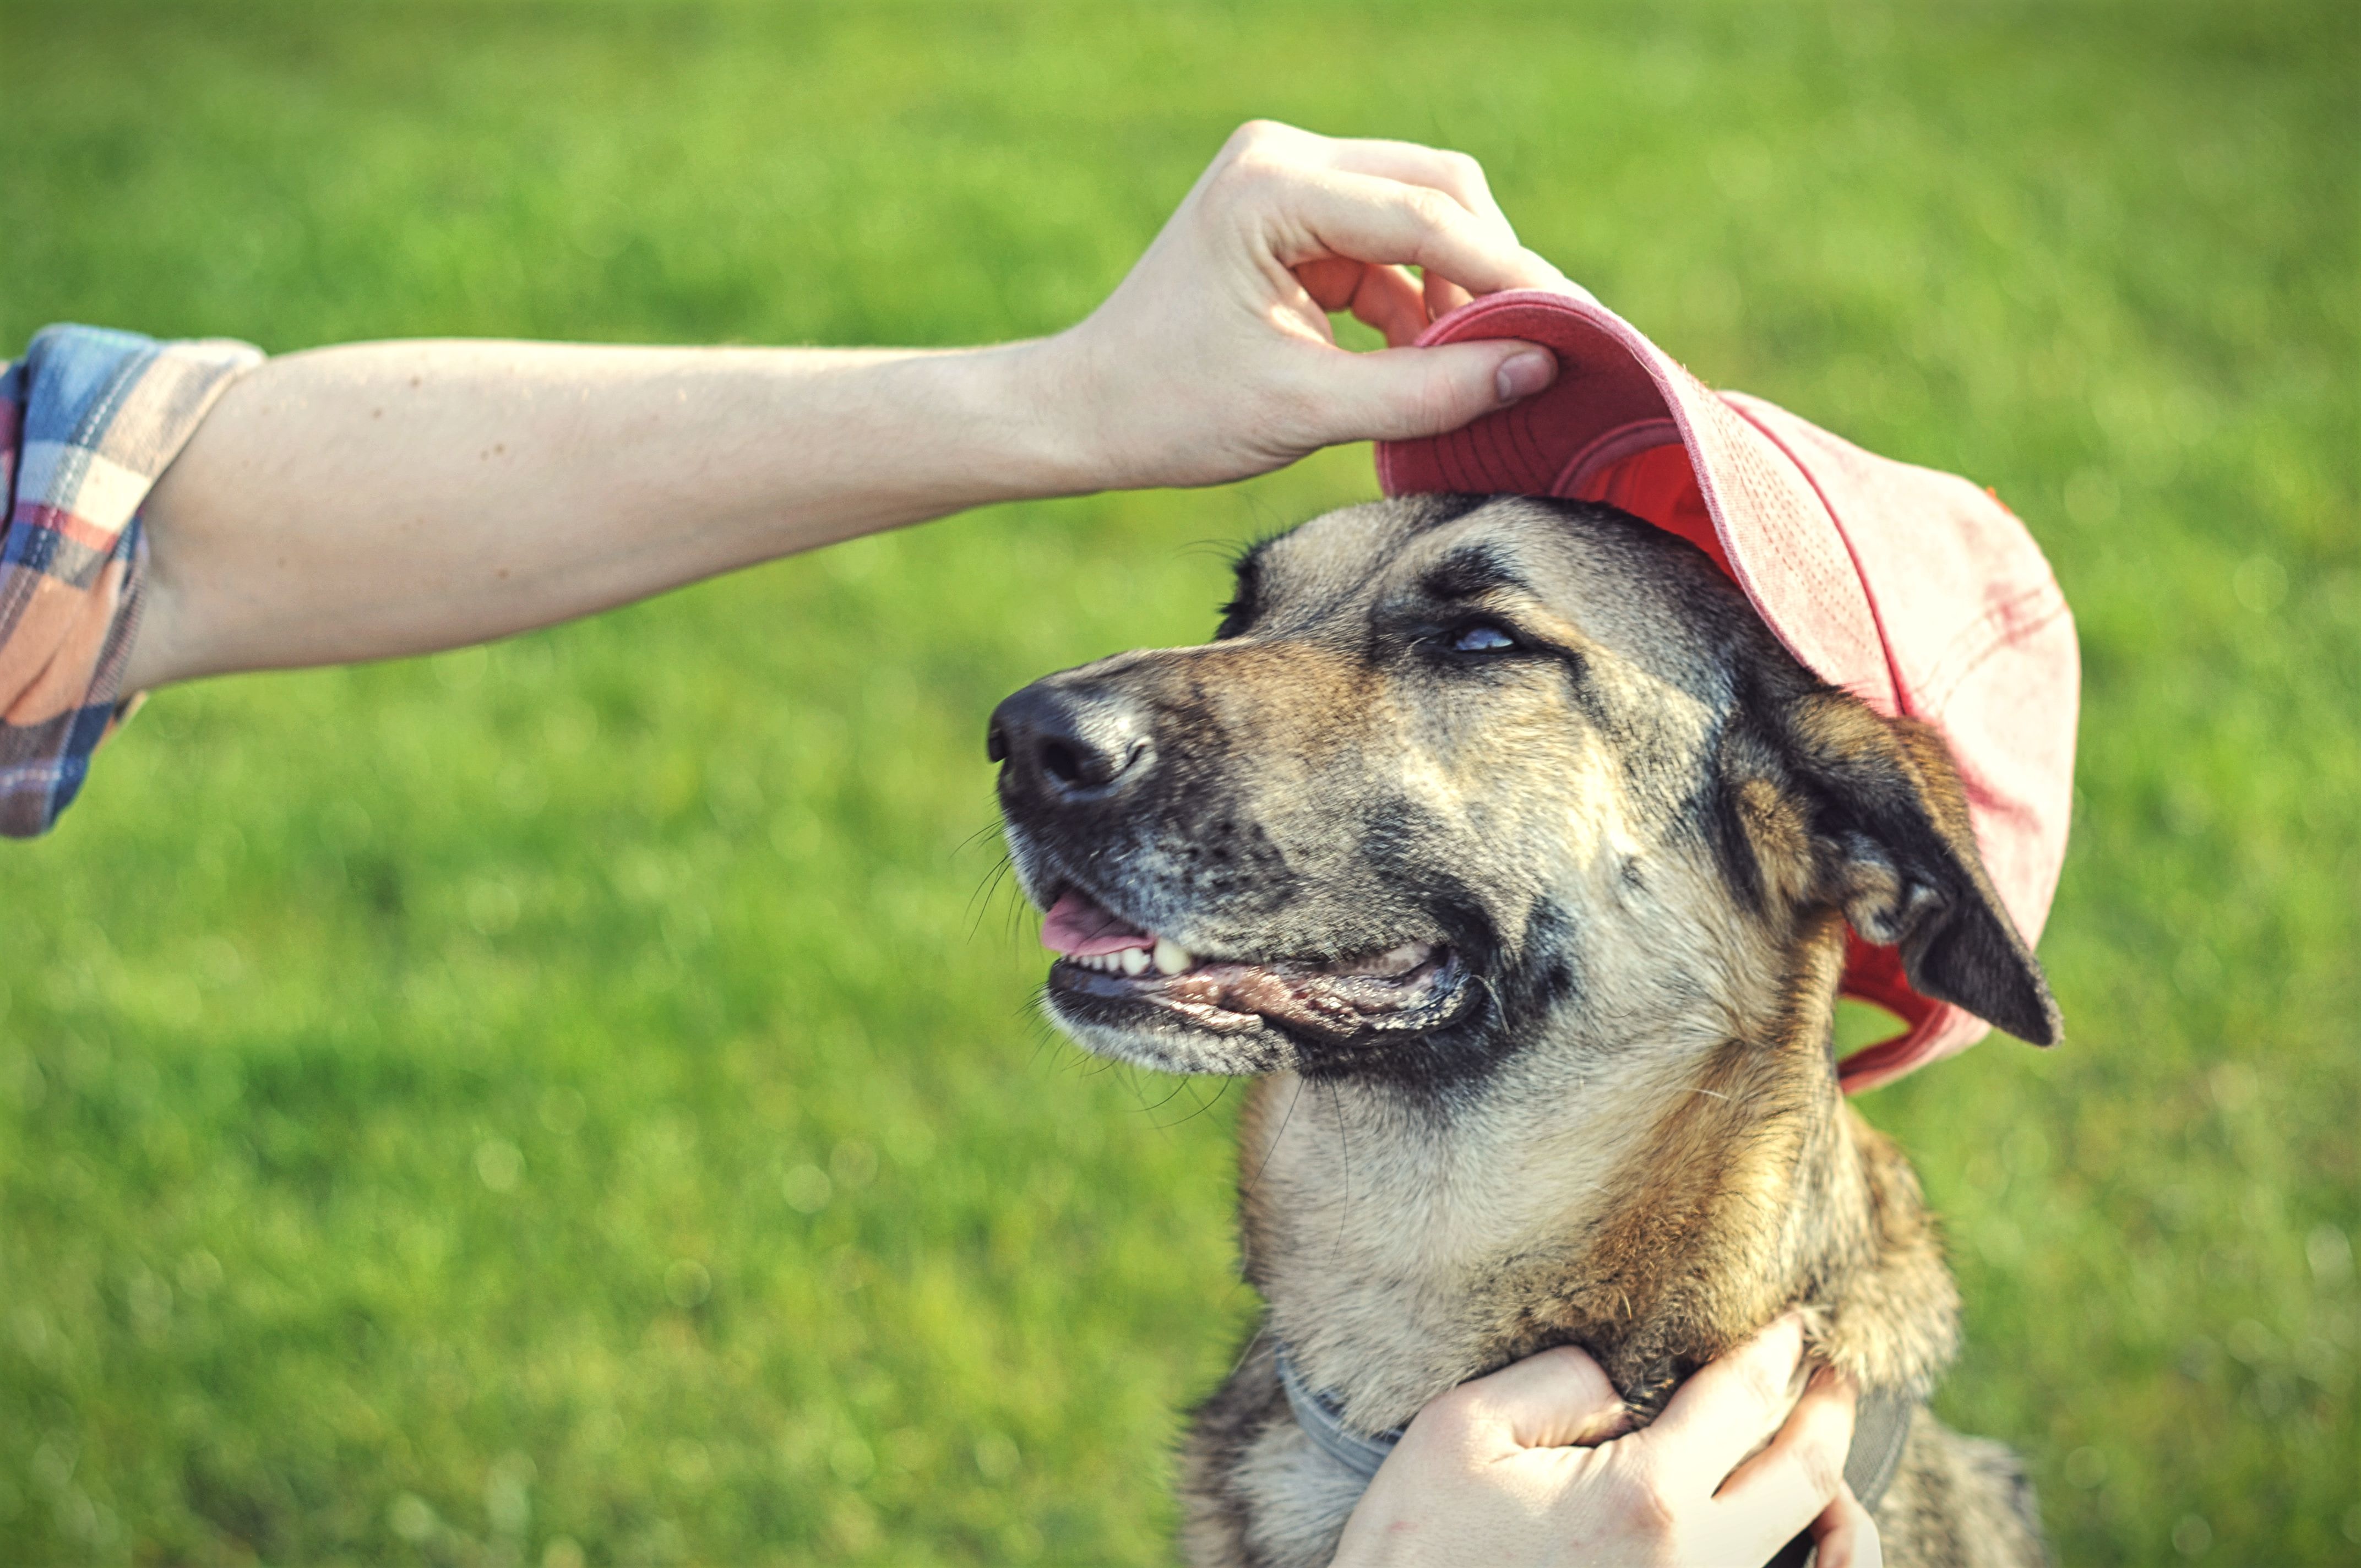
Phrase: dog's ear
(1892, 846)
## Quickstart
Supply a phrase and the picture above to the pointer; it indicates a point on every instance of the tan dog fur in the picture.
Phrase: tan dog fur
(1642, 832)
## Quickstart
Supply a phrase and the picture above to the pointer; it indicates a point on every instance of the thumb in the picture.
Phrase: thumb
(1399, 394)
(1558, 1398)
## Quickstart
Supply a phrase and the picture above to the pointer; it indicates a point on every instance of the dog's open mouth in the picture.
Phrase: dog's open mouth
(1108, 965)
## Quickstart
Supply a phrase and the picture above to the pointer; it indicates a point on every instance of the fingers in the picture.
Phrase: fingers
(1388, 300)
(1383, 297)
(1785, 1486)
(1400, 394)
(1330, 281)
(1412, 169)
(1558, 1398)
(1443, 296)
(1335, 213)
(1723, 1413)
(1845, 1534)
(1231, 298)
(1454, 174)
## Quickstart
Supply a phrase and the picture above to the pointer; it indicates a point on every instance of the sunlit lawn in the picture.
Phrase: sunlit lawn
(580, 1102)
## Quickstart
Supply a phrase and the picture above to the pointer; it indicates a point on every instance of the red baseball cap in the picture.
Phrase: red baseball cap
(1916, 591)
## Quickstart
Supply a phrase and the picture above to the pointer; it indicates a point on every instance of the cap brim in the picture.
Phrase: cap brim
(1616, 393)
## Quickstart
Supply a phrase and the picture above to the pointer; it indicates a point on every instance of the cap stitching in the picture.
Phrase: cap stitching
(1947, 674)
(1737, 468)
(1876, 616)
(1535, 459)
(1611, 447)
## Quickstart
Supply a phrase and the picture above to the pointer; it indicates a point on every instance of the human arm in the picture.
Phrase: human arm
(376, 499)
(1535, 1465)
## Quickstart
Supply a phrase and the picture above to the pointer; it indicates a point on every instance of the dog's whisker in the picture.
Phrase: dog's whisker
(1285, 1119)
(1178, 1086)
(1229, 1081)
(1045, 1033)
(1014, 905)
(991, 825)
(1187, 1090)
(1201, 1104)
(1344, 1161)
(979, 903)
(1252, 1339)
(1224, 550)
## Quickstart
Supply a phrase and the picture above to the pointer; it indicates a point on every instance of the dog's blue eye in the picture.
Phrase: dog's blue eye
(1481, 637)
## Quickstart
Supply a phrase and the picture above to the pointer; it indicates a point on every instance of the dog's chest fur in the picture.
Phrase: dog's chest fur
(1405, 1245)
(1402, 1239)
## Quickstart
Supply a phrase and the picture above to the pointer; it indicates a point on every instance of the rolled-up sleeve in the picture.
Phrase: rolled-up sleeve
(88, 419)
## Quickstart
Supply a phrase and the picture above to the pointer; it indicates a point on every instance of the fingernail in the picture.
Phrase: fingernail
(1522, 375)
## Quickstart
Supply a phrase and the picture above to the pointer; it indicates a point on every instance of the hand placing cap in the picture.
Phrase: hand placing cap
(1214, 360)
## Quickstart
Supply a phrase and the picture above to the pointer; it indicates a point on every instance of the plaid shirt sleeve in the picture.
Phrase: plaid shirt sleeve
(88, 419)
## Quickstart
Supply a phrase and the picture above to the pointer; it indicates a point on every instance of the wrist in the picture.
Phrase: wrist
(1048, 422)
(1006, 422)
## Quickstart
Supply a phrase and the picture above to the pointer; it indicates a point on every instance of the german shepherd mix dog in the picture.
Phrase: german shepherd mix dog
(1503, 842)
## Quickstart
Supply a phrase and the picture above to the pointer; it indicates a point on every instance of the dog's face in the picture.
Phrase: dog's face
(1458, 776)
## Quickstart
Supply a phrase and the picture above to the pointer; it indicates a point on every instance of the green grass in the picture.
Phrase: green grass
(572, 1101)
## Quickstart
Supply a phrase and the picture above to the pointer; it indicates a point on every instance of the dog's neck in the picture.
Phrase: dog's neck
(1654, 1207)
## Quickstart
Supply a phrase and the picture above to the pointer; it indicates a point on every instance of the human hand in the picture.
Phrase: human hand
(1535, 1465)
(1215, 360)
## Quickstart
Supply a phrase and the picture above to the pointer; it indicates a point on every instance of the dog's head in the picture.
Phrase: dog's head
(1459, 774)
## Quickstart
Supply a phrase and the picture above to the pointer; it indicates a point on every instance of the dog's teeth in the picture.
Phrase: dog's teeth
(1134, 961)
(1172, 957)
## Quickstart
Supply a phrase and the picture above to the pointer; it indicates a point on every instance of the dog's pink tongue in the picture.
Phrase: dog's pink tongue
(1078, 927)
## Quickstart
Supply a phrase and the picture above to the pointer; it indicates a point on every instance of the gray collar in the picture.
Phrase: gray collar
(1322, 1422)
(1881, 1426)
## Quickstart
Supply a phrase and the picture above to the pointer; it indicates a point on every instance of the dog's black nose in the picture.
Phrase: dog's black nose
(1069, 743)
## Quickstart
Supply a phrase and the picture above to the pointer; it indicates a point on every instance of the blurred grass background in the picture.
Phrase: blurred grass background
(572, 1102)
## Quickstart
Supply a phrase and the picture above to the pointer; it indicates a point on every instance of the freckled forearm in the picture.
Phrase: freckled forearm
(379, 500)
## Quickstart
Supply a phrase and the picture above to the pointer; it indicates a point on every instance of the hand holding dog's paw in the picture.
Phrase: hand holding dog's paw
(1535, 1465)
(1214, 360)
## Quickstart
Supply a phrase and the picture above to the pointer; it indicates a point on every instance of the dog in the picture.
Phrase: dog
(1508, 850)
